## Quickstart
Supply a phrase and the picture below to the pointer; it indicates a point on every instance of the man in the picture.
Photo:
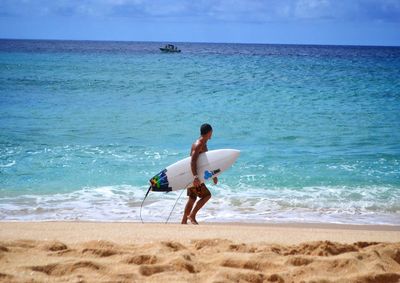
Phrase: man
(198, 189)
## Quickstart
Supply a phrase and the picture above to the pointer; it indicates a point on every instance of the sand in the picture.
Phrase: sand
(134, 252)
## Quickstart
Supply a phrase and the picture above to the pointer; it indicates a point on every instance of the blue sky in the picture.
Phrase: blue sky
(354, 22)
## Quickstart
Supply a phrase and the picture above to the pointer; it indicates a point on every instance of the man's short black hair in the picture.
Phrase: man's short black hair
(205, 129)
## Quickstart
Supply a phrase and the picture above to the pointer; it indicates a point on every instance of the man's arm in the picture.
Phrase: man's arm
(215, 179)
(193, 162)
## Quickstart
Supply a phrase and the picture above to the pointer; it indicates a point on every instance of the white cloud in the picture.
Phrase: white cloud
(209, 10)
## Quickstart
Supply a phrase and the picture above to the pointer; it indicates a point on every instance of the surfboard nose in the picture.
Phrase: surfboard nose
(235, 153)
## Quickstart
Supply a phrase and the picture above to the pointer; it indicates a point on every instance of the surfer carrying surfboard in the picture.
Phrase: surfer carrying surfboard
(198, 188)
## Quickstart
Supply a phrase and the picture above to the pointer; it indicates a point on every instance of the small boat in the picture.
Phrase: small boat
(170, 48)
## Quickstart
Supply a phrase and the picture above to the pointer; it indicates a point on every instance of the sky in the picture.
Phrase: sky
(337, 22)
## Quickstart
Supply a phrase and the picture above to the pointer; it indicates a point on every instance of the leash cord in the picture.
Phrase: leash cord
(141, 206)
(174, 207)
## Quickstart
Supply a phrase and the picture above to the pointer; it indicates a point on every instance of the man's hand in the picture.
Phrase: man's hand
(196, 182)
(215, 179)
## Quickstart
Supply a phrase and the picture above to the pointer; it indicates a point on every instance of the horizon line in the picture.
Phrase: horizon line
(202, 42)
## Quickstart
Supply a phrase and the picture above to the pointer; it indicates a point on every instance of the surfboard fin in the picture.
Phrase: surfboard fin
(141, 206)
(148, 191)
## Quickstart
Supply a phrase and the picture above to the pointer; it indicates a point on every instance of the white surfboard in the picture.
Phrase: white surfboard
(179, 175)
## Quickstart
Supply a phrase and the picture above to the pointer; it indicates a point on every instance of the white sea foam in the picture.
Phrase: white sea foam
(12, 163)
(122, 203)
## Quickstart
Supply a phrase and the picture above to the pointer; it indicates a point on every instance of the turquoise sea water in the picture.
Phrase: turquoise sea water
(84, 125)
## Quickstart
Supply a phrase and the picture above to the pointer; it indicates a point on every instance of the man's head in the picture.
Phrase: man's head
(206, 131)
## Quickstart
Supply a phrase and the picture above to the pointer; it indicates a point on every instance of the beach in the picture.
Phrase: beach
(313, 197)
(228, 252)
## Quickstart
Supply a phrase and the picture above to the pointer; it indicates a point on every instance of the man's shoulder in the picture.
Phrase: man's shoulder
(198, 146)
(197, 143)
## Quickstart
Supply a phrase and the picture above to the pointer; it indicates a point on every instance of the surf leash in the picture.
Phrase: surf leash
(173, 208)
(166, 222)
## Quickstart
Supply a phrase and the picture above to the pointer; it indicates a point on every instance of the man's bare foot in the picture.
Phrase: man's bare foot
(193, 220)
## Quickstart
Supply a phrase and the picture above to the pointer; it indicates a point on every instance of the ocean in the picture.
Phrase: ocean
(84, 125)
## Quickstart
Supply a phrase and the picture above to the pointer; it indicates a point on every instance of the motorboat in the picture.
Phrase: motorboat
(170, 48)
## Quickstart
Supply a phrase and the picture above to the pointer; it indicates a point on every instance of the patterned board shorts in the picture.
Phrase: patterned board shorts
(200, 191)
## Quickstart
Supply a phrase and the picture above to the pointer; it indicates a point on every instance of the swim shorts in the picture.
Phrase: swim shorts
(201, 191)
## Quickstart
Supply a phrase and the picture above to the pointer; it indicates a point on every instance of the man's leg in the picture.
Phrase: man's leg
(199, 204)
(188, 209)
